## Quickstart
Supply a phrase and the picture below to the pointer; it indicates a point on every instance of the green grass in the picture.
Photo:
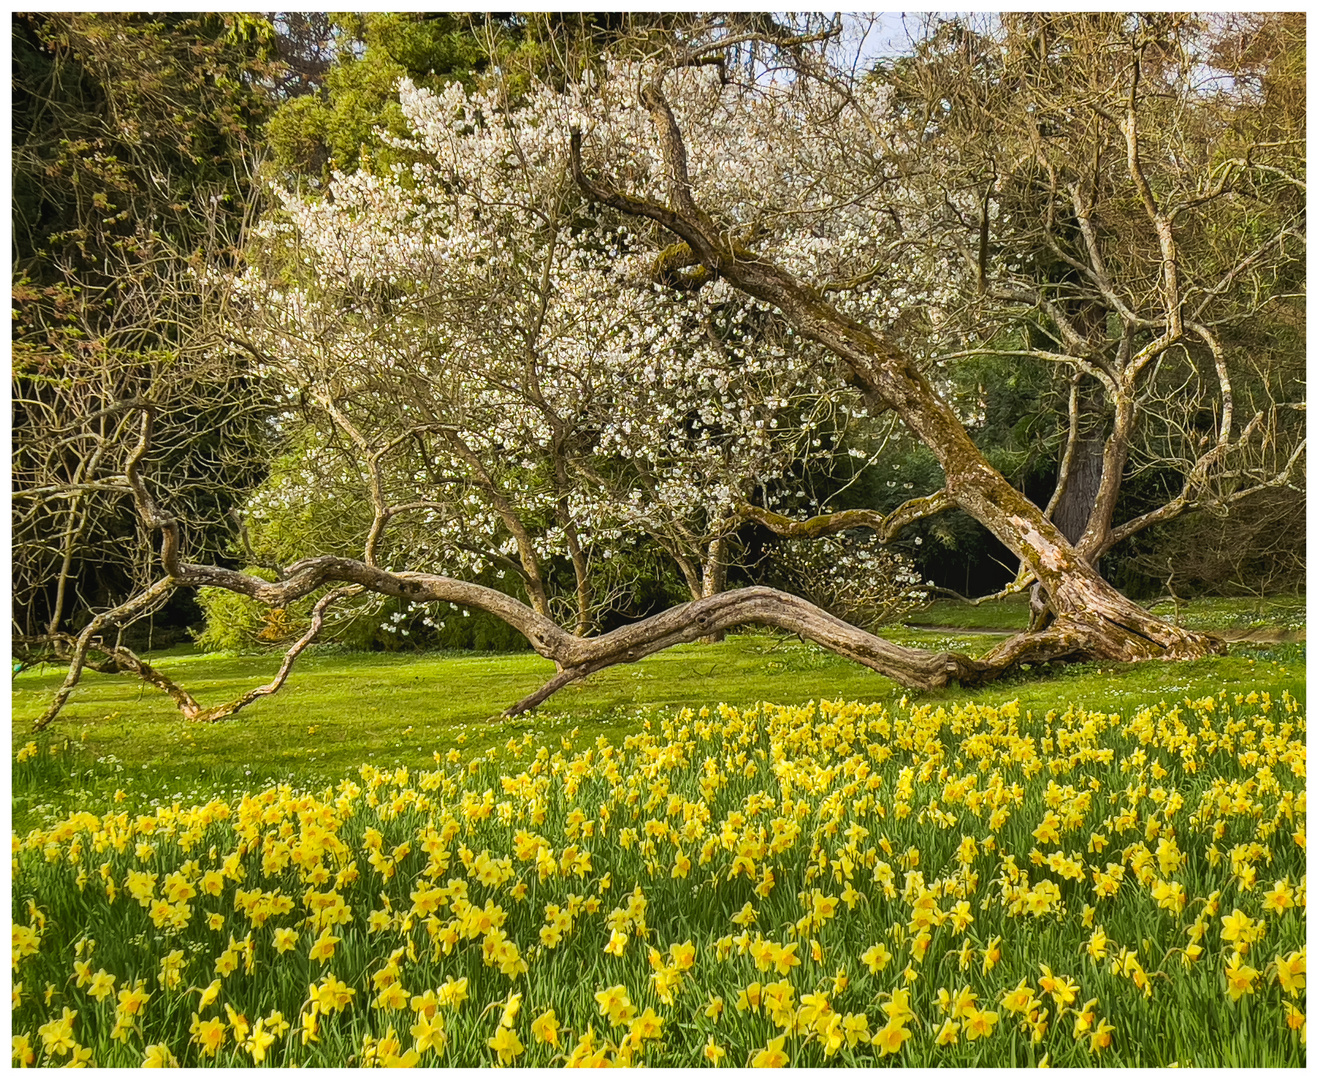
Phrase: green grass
(1011, 612)
(340, 710)
(1207, 613)
(1237, 613)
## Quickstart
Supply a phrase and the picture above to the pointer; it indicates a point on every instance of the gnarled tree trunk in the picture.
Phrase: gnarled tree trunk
(1092, 618)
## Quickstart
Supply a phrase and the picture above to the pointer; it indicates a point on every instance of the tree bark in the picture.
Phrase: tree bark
(714, 578)
(1082, 475)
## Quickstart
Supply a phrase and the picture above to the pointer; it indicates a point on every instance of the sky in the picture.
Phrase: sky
(890, 33)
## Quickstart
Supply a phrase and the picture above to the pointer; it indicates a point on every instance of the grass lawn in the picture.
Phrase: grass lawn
(1209, 613)
(340, 710)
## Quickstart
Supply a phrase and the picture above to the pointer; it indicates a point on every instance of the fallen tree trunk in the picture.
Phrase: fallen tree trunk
(1107, 630)
(574, 656)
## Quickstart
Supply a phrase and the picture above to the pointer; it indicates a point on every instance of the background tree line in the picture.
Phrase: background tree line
(144, 148)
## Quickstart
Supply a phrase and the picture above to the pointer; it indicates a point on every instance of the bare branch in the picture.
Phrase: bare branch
(1189, 496)
(1072, 434)
(137, 606)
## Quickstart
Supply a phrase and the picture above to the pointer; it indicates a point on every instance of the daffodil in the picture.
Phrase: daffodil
(1291, 971)
(876, 958)
(1236, 926)
(131, 1000)
(322, 948)
(506, 1045)
(1101, 1037)
(855, 1027)
(1280, 898)
(947, 1033)
(208, 1035)
(1021, 999)
(171, 970)
(1097, 945)
(453, 993)
(646, 1026)
(773, 1056)
(544, 1028)
(102, 985)
(616, 944)
(428, 1033)
(891, 1036)
(979, 1024)
(209, 994)
(23, 1054)
(1239, 978)
(158, 1056)
(331, 995)
(259, 1042)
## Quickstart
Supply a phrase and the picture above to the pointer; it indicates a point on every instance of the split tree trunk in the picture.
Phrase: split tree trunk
(1083, 476)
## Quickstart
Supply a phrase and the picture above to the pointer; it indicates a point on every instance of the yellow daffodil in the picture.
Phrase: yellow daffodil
(891, 1036)
(208, 1035)
(1239, 978)
(545, 1028)
(979, 1024)
(23, 1054)
(773, 1056)
(428, 1033)
(1291, 971)
(158, 1056)
(714, 1053)
(102, 985)
(506, 1045)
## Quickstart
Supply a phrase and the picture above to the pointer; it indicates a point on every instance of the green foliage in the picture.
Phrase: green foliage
(233, 621)
(237, 625)
(118, 117)
(337, 129)
(476, 631)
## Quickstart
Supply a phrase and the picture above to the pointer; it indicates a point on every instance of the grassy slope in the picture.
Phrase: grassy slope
(340, 710)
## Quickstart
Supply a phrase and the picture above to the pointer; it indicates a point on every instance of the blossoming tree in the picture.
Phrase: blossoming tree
(622, 307)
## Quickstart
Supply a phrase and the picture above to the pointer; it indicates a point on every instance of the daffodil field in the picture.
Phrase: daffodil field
(837, 883)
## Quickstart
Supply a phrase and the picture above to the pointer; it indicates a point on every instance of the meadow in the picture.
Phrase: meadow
(1093, 866)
